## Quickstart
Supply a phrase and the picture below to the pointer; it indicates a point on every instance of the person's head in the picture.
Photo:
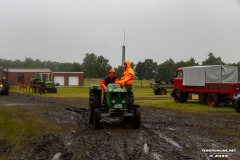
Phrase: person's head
(112, 73)
(127, 64)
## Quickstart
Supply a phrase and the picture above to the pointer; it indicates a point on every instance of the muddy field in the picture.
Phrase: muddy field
(164, 134)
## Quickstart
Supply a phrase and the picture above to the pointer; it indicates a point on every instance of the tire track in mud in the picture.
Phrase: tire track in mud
(118, 141)
(114, 141)
(161, 146)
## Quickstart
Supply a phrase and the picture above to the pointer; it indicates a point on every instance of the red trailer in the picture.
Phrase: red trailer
(214, 84)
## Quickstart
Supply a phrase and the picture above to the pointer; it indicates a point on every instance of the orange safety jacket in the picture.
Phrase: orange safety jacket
(128, 75)
(104, 82)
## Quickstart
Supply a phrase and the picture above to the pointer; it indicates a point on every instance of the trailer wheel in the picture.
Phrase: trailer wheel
(163, 91)
(237, 105)
(178, 96)
(157, 91)
(212, 100)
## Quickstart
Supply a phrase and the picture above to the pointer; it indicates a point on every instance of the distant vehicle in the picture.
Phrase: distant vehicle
(214, 84)
(4, 85)
(160, 86)
(43, 83)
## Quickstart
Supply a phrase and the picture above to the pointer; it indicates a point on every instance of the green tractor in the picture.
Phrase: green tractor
(43, 83)
(119, 103)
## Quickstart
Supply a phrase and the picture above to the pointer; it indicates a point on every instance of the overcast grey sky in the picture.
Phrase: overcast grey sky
(65, 30)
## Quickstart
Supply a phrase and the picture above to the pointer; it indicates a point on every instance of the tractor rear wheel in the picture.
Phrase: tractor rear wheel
(96, 118)
(237, 105)
(137, 119)
(130, 100)
(212, 100)
(94, 101)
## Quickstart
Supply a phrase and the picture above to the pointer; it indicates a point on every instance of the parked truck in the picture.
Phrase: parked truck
(214, 84)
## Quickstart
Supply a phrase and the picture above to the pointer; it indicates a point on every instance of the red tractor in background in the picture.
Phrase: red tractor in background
(214, 84)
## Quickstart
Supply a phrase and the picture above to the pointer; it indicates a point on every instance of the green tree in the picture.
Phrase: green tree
(166, 70)
(95, 66)
(146, 69)
(140, 69)
(89, 65)
(212, 60)
(119, 71)
(76, 67)
(103, 66)
(190, 62)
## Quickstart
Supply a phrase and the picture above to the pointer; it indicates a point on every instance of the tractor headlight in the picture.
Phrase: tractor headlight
(113, 101)
(123, 101)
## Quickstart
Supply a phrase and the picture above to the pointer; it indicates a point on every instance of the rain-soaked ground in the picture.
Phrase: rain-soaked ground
(164, 134)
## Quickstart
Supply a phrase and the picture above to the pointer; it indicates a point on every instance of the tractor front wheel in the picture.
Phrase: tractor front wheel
(130, 100)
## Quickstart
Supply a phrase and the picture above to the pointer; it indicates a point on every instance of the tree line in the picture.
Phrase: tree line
(95, 66)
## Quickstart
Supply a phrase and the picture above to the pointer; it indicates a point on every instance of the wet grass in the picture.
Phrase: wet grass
(192, 106)
(18, 123)
(83, 91)
(61, 92)
(3, 158)
(144, 96)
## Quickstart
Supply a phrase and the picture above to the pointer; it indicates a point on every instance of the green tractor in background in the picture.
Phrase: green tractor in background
(119, 103)
(43, 83)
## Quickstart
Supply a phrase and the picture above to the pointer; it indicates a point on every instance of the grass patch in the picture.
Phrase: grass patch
(18, 123)
(61, 92)
(143, 93)
(192, 106)
(3, 157)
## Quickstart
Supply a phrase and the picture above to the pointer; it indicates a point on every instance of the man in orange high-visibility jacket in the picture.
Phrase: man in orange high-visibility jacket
(128, 75)
(111, 78)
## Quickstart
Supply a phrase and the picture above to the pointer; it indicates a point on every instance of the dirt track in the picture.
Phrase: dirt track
(164, 134)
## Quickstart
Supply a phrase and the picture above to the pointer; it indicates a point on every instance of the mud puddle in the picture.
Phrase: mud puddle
(164, 134)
